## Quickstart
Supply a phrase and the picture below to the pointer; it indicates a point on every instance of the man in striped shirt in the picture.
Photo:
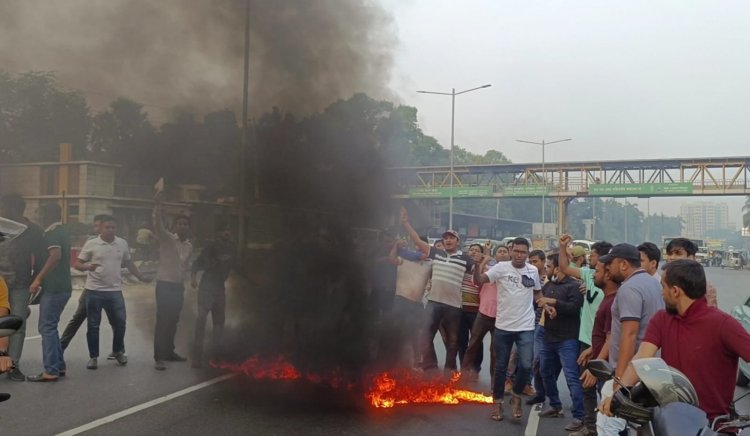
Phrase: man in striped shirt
(444, 299)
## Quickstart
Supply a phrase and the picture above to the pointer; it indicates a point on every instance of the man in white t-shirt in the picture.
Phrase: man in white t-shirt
(518, 285)
(103, 258)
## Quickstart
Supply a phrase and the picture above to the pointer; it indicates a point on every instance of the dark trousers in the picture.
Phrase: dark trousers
(408, 318)
(75, 323)
(464, 332)
(114, 306)
(437, 313)
(169, 298)
(213, 302)
(483, 324)
(589, 400)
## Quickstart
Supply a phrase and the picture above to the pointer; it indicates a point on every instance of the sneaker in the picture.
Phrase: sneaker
(551, 413)
(508, 386)
(159, 365)
(121, 358)
(93, 363)
(529, 391)
(574, 425)
(537, 399)
(176, 358)
(584, 431)
(111, 356)
(15, 374)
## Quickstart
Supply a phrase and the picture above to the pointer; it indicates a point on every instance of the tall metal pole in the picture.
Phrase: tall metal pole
(453, 95)
(544, 176)
(544, 192)
(243, 147)
(453, 123)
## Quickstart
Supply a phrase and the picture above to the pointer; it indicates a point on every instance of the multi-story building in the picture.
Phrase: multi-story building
(702, 217)
(87, 188)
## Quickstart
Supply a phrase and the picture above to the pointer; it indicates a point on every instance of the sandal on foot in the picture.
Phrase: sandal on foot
(515, 407)
(497, 412)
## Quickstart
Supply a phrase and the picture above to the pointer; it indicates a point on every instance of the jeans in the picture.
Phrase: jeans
(450, 317)
(504, 340)
(114, 306)
(564, 353)
(75, 322)
(51, 306)
(464, 329)
(482, 325)
(169, 298)
(214, 302)
(537, 366)
(19, 305)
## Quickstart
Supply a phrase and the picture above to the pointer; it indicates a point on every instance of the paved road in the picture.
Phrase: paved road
(234, 406)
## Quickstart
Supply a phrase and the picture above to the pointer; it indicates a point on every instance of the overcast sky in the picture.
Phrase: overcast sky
(624, 79)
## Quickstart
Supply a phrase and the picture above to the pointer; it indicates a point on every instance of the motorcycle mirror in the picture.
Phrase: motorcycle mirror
(601, 369)
(9, 324)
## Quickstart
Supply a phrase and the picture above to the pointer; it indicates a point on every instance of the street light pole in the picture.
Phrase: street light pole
(544, 176)
(453, 95)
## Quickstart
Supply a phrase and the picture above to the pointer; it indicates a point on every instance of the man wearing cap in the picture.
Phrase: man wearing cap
(444, 299)
(637, 300)
(593, 297)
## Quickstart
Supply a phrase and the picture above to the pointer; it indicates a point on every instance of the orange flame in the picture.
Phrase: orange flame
(387, 391)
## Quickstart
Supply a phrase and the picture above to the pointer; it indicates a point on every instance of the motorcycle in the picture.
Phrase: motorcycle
(664, 402)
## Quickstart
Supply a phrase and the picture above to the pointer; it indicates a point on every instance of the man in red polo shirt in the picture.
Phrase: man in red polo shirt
(701, 341)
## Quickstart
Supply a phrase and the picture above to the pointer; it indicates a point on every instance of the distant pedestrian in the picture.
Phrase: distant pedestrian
(53, 281)
(216, 261)
(174, 263)
(23, 250)
(102, 258)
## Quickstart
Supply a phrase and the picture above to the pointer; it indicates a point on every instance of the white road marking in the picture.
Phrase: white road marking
(135, 409)
(32, 337)
(533, 423)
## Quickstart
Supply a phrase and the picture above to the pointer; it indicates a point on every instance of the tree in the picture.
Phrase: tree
(746, 215)
(36, 115)
(122, 134)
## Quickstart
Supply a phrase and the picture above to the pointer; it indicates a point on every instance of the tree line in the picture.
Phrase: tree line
(339, 152)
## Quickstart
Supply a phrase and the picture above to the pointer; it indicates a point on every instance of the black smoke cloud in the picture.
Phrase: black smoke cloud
(176, 53)
(321, 180)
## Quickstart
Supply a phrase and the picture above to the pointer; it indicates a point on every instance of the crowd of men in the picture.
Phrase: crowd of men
(552, 312)
(35, 268)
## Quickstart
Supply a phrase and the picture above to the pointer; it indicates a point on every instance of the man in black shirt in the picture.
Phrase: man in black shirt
(216, 261)
(561, 302)
(20, 272)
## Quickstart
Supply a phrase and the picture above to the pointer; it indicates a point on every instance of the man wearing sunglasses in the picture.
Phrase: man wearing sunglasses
(517, 284)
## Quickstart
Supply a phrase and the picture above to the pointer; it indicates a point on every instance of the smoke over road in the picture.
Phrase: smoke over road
(167, 53)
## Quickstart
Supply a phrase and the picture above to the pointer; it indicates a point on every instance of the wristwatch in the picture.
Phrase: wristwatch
(3, 353)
